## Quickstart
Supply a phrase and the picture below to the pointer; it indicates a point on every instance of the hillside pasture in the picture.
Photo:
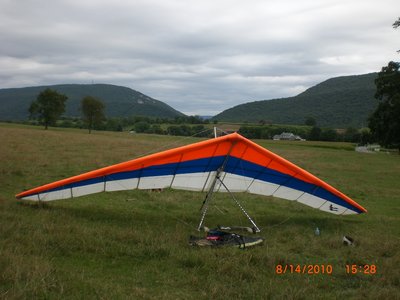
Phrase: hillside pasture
(134, 244)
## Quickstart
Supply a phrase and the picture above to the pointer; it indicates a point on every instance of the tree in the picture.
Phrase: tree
(310, 121)
(328, 134)
(156, 128)
(395, 25)
(142, 126)
(365, 136)
(262, 122)
(352, 135)
(385, 120)
(93, 112)
(315, 134)
(48, 107)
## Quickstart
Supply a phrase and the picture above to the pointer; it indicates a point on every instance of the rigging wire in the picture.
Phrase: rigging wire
(279, 224)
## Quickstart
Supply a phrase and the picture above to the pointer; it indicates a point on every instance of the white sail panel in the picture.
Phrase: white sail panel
(121, 185)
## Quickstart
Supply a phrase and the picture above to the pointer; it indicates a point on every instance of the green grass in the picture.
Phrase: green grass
(134, 244)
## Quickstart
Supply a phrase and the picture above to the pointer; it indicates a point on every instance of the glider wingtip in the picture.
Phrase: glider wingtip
(361, 210)
(20, 196)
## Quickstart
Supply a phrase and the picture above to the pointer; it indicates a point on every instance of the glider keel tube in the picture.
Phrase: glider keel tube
(247, 167)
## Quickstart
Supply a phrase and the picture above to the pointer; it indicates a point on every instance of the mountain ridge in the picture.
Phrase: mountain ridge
(119, 101)
(336, 102)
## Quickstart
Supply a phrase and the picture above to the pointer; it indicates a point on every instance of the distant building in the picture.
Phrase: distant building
(287, 136)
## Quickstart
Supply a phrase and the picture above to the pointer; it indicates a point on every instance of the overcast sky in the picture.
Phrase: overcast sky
(201, 57)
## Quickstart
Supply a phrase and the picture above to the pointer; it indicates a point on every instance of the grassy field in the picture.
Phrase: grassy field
(134, 244)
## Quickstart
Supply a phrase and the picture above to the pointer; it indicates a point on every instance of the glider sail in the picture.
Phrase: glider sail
(240, 164)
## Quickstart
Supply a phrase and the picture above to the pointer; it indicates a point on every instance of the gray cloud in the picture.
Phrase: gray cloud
(199, 57)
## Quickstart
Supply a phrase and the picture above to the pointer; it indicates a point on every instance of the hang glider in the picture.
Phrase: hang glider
(239, 164)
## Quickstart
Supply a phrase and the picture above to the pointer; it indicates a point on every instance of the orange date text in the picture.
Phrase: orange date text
(308, 269)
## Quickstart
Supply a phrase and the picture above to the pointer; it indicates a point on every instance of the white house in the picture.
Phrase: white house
(287, 136)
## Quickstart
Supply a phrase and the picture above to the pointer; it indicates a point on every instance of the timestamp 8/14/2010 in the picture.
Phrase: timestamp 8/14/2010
(313, 269)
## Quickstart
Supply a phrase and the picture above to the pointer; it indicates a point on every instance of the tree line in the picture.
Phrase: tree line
(49, 106)
(312, 133)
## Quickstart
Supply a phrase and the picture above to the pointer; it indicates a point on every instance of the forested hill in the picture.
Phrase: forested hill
(119, 101)
(337, 102)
